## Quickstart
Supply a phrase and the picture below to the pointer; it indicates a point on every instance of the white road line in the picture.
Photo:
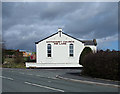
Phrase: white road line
(45, 87)
(7, 78)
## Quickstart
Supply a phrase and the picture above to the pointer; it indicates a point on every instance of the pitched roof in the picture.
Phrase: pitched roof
(86, 42)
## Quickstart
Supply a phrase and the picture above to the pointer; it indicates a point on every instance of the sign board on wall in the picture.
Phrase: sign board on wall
(60, 42)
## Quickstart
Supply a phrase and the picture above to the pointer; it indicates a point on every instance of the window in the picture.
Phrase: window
(71, 50)
(49, 50)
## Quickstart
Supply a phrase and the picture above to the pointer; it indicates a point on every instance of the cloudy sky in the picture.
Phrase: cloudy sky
(27, 22)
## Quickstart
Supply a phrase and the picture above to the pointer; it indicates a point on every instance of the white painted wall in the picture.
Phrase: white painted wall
(60, 53)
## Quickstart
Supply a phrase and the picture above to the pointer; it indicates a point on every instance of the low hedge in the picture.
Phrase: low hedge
(103, 64)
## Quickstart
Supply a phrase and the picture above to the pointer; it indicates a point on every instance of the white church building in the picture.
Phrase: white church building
(60, 50)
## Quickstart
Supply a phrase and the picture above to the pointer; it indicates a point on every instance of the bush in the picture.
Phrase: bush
(103, 64)
(86, 51)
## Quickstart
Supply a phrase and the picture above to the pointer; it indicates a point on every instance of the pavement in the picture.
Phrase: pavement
(47, 80)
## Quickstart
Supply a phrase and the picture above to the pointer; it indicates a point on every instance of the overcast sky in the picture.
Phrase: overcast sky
(27, 22)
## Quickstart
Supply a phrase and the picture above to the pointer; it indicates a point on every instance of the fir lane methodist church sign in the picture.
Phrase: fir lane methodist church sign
(59, 42)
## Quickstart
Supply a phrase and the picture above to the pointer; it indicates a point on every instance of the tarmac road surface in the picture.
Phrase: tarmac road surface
(44, 80)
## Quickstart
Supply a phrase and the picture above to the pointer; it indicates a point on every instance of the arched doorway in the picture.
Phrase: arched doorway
(85, 51)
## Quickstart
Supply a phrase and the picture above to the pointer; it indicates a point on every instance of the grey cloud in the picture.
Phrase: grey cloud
(25, 23)
(102, 24)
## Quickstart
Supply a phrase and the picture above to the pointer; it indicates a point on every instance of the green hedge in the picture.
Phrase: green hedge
(103, 64)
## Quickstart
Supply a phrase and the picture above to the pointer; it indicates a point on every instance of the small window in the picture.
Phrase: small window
(71, 50)
(49, 50)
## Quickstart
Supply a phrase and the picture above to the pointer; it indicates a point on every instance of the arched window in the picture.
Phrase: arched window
(71, 51)
(49, 50)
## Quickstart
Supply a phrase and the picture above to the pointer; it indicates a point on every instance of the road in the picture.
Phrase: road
(44, 80)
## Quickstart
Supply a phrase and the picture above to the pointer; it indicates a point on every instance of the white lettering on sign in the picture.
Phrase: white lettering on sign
(60, 42)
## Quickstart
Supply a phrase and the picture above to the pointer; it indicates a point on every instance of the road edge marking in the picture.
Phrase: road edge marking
(88, 82)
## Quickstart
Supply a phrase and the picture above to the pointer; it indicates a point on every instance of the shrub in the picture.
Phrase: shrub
(85, 52)
(103, 64)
